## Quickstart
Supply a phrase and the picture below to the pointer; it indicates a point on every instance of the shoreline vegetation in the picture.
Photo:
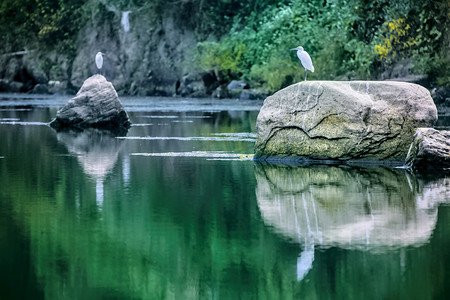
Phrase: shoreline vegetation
(197, 48)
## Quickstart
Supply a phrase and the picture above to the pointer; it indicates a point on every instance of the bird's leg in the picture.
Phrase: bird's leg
(306, 73)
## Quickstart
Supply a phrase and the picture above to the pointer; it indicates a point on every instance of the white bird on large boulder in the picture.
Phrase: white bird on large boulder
(305, 59)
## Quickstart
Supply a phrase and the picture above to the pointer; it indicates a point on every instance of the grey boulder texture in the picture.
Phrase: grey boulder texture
(343, 122)
(96, 105)
(430, 150)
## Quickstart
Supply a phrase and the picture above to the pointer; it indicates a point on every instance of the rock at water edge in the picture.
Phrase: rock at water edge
(343, 121)
(430, 150)
(95, 105)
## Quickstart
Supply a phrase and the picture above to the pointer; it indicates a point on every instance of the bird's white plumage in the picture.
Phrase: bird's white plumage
(99, 60)
(305, 59)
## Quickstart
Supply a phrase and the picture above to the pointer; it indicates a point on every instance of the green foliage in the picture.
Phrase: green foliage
(319, 28)
(275, 74)
(346, 39)
(216, 17)
(224, 58)
(417, 30)
(40, 23)
(432, 55)
(15, 30)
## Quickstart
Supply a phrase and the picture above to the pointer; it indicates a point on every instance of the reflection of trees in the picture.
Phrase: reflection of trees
(156, 236)
(196, 232)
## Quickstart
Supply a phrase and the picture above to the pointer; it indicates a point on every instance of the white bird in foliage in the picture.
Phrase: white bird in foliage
(305, 59)
(99, 60)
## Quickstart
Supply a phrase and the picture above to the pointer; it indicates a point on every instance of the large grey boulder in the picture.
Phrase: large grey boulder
(430, 150)
(95, 105)
(330, 121)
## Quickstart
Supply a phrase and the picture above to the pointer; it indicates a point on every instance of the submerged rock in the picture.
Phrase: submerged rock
(330, 121)
(430, 150)
(95, 105)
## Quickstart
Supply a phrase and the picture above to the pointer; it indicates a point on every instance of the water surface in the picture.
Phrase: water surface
(176, 209)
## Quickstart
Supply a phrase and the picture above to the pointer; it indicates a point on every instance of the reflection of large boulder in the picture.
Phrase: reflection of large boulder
(95, 105)
(326, 120)
(372, 208)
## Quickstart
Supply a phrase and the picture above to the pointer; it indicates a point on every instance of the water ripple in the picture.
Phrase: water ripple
(23, 123)
(204, 154)
(193, 138)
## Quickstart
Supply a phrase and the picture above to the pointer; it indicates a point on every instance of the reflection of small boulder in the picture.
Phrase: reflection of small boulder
(96, 150)
(95, 105)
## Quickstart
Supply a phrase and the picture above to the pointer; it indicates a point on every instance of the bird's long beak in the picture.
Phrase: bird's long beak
(294, 49)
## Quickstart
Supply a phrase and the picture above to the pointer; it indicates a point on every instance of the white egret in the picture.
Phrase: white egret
(99, 60)
(305, 59)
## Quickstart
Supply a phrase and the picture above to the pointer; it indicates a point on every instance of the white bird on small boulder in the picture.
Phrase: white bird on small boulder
(305, 59)
(99, 60)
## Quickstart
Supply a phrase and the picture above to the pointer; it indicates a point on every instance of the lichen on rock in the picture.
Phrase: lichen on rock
(343, 121)
(95, 105)
(429, 150)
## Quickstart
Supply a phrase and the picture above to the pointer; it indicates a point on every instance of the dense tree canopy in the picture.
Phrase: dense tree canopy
(347, 39)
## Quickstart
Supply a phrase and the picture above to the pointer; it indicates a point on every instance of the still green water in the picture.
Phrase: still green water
(177, 210)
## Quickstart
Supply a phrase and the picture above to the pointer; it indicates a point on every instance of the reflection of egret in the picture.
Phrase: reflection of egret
(306, 257)
(126, 169)
(372, 224)
(305, 261)
(99, 192)
(305, 59)
(99, 60)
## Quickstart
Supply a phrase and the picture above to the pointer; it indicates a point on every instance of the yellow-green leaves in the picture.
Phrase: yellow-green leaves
(397, 37)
